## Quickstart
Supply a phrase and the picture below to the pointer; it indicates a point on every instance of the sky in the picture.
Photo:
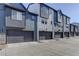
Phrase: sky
(70, 9)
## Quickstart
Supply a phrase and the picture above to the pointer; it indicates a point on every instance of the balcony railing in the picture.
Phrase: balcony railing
(14, 23)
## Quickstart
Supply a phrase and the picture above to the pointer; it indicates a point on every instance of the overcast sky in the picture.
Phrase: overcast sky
(70, 9)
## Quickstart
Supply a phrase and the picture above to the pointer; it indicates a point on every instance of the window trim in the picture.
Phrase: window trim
(16, 14)
(41, 14)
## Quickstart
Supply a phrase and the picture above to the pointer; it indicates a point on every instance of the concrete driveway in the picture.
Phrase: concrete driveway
(62, 47)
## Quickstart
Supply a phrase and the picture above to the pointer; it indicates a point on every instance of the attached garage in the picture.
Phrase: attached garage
(66, 34)
(14, 36)
(71, 33)
(58, 34)
(45, 35)
(28, 36)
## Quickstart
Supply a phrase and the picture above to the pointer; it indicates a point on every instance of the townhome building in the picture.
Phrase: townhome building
(72, 29)
(66, 25)
(45, 20)
(51, 23)
(36, 22)
(76, 29)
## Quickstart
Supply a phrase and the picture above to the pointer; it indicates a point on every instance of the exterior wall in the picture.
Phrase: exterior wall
(2, 38)
(14, 32)
(30, 22)
(76, 31)
(66, 25)
(2, 25)
(42, 27)
(71, 30)
(13, 23)
(58, 27)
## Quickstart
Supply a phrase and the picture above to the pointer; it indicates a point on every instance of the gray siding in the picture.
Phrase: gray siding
(2, 19)
(16, 6)
(13, 23)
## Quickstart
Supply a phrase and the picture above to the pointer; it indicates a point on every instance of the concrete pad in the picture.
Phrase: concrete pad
(62, 47)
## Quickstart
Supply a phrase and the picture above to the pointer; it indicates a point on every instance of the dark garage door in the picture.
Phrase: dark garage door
(45, 35)
(28, 36)
(14, 36)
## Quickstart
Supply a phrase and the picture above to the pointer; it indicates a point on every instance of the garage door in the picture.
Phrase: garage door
(28, 36)
(45, 35)
(14, 36)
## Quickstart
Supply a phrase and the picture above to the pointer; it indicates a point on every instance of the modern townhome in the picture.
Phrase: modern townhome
(50, 22)
(66, 25)
(76, 29)
(12, 21)
(45, 20)
(36, 22)
(30, 30)
(61, 25)
(72, 28)
(77, 24)
(58, 24)
(20, 24)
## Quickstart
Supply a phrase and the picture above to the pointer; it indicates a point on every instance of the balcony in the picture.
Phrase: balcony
(14, 23)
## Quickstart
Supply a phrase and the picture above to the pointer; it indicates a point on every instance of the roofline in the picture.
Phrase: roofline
(32, 13)
(48, 6)
(73, 25)
(23, 6)
(54, 9)
(27, 10)
(66, 15)
(15, 8)
(63, 14)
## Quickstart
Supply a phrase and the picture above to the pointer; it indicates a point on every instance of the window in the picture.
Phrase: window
(55, 18)
(42, 21)
(16, 15)
(44, 11)
(51, 22)
(45, 22)
(67, 20)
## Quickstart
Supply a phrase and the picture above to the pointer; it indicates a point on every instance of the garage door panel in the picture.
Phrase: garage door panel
(28, 36)
(14, 36)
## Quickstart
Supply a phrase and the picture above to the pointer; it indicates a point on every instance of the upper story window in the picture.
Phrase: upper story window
(55, 18)
(16, 15)
(67, 20)
(42, 21)
(44, 11)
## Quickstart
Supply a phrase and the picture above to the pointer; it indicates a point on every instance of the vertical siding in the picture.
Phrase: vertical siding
(2, 18)
(2, 25)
